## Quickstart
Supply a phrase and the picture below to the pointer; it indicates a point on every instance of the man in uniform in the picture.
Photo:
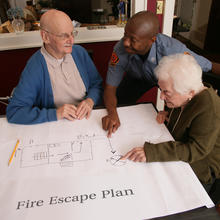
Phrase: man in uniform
(131, 69)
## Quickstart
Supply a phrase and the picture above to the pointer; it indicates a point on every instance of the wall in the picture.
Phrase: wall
(200, 22)
(195, 12)
(138, 5)
(18, 3)
(186, 11)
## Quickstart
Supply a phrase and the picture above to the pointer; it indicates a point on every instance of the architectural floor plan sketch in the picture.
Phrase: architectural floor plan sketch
(81, 148)
(115, 160)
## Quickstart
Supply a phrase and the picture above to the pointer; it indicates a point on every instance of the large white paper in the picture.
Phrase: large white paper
(71, 170)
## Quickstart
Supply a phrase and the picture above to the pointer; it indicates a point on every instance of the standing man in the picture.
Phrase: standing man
(59, 80)
(131, 68)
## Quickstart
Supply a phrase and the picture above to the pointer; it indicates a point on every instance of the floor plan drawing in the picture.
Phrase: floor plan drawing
(66, 153)
(115, 160)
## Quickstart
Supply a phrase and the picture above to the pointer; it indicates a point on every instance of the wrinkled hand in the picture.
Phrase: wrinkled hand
(110, 123)
(137, 154)
(67, 111)
(162, 117)
(84, 109)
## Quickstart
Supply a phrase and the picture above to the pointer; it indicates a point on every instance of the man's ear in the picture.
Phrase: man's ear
(44, 36)
(154, 38)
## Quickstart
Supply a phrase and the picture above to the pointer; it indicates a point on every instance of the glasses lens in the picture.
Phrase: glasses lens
(64, 36)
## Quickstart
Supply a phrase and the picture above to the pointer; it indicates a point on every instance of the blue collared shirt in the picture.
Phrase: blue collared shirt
(134, 65)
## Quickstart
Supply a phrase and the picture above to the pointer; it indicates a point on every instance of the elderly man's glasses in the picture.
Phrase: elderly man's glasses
(63, 36)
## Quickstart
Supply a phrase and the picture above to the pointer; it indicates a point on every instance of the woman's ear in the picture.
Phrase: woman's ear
(191, 94)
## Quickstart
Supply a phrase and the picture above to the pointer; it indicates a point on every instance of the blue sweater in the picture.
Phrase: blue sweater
(33, 100)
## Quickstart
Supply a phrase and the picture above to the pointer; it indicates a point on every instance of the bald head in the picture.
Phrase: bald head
(145, 23)
(57, 33)
(53, 20)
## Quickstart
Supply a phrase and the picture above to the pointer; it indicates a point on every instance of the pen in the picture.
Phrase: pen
(13, 153)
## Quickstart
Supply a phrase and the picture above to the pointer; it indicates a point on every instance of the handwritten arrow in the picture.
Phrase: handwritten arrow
(112, 150)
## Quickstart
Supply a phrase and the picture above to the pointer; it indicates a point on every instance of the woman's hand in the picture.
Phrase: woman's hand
(162, 117)
(137, 154)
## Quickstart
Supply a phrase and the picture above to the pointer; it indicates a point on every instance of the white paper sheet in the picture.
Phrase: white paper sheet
(71, 170)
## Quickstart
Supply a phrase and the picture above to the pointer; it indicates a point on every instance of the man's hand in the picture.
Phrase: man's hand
(67, 111)
(84, 109)
(162, 117)
(137, 154)
(110, 123)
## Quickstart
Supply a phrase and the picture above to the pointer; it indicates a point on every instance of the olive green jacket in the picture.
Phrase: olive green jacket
(196, 134)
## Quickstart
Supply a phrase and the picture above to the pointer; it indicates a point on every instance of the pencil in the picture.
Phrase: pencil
(13, 153)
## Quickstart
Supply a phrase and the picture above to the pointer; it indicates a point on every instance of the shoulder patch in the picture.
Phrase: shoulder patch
(114, 59)
(187, 53)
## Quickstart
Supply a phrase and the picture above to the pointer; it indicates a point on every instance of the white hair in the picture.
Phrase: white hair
(183, 69)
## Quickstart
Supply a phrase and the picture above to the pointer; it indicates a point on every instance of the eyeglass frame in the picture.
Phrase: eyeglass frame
(63, 36)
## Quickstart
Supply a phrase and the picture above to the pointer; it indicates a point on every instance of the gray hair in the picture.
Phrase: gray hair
(183, 69)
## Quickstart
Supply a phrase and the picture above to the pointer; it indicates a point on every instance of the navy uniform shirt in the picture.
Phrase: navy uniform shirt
(133, 65)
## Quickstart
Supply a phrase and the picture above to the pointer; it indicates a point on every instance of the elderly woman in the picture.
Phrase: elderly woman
(193, 118)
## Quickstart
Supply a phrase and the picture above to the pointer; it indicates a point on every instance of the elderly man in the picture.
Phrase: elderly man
(137, 54)
(193, 119)
(59, 80)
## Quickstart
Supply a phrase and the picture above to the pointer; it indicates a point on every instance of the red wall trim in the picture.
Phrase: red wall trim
(151, 6)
